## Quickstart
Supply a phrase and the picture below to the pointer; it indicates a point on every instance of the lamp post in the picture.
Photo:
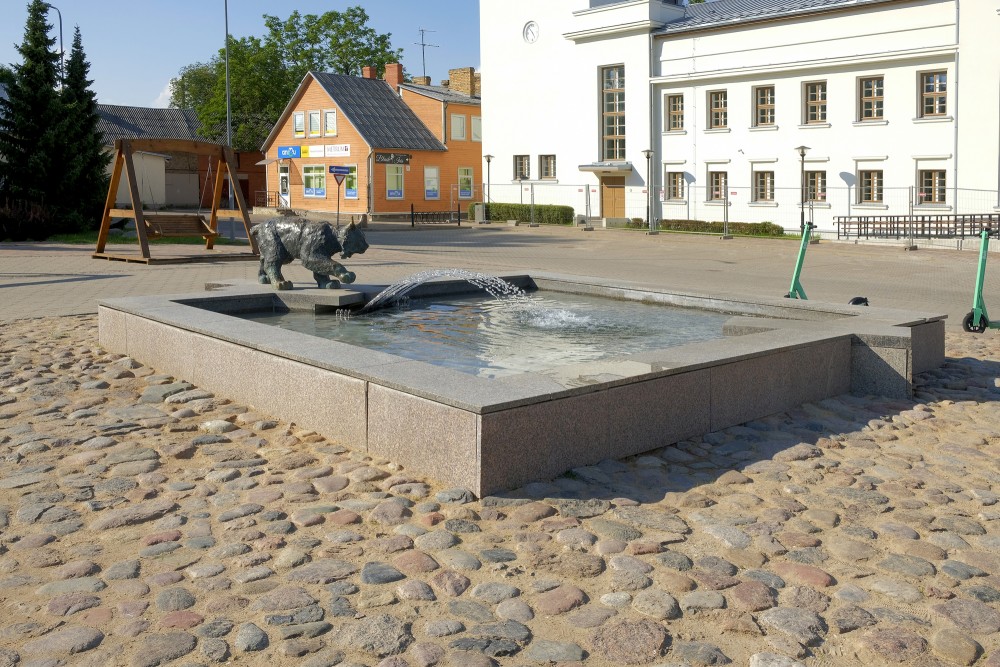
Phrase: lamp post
(648, 153)
(802, 186)
(229, 113)
(62, 53)
(488, 158)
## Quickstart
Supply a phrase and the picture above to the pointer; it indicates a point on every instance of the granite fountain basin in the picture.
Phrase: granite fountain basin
(494, 434)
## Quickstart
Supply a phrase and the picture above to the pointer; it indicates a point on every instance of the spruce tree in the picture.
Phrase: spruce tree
(85, 180)
(29, 125)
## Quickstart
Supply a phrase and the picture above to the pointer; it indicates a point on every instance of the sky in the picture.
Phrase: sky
(136, 46)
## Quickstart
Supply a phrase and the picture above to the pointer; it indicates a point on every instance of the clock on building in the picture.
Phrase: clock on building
(530, 32)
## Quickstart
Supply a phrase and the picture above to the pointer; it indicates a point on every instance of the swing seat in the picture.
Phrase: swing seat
(173, 225)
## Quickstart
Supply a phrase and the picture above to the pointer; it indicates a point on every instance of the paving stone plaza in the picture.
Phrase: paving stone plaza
(145, 521)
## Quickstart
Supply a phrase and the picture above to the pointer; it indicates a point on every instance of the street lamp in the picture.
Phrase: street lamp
(802, 186)
(649, 190)
(229, 112)
(488, 158)
(62, 53)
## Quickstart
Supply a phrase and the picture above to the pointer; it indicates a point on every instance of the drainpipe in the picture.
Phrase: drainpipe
(444, 123)
(958, 42)
(656, 151)
(371, 185)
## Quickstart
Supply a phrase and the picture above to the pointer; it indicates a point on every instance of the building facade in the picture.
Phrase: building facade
(737, 108)
(394, 144)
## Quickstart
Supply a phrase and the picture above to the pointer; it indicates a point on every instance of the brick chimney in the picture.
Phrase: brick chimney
(422, 80)
(462, 80)
(394, 75)
(369, 73)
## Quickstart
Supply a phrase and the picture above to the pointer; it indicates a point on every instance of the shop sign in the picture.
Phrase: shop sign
(392, 158)
(338, 150)
(285, 152)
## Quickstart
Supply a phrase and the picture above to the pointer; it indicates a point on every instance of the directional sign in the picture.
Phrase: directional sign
(340, 170)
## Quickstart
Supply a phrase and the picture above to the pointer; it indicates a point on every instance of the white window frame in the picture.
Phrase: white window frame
(311, 169)
(458, 123)
(477, 128)
(436, 179)
(468, 173)
(399, 171)
(327, 115)
(299, 124)
(352, 178)
(319, 127)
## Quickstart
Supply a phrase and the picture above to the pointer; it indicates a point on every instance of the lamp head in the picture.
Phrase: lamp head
(488, 158)
(802, 150)
(648, 153)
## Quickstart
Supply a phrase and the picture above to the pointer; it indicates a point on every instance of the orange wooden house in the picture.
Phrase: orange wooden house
(393, 144)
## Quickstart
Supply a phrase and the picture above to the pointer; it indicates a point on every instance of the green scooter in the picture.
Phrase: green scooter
(977, 321)
(796, 291)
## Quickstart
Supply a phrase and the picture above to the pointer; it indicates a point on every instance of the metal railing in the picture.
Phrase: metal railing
(940, 226)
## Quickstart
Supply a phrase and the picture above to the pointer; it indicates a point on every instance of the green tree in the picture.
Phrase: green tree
(85, 179)
(264, 72)
(29, 124)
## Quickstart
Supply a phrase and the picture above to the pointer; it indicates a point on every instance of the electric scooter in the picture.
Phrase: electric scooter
(796, 291)
(977, 321)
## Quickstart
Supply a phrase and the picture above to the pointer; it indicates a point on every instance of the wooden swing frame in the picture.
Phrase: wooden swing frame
(165, 224)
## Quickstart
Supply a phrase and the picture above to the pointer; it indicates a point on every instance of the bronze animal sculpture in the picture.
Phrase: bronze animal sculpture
(314, 243)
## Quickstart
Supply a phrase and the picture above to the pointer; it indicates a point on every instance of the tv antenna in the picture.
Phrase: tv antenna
(423, 47)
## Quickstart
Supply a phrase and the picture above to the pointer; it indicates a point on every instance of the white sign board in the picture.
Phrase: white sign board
(338, 150)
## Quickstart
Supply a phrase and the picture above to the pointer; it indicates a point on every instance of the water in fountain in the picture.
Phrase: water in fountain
(496, 287)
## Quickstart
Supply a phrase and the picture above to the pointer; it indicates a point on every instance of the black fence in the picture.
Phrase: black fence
(936, 226)
(434, 217)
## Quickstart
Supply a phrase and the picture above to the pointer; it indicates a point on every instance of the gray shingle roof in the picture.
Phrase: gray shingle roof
(732, 12)
(442, 94)
(120, 122)
(377, 113)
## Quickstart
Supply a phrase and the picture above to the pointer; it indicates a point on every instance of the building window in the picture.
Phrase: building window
(547, 166)
(613, 94)
(432, 183)
(816, 102)
(330, 122)
(675, 185)
(522, 168)
(314, 124)
(871, 98)
(763, 186)
(763, 106)
(932, 186)
(718, 182)
(870, 191)
(314, 180)
(458, 127)
(718, 109)
(675, 113)
(815, 186)
(465, 182)
(351, 183)
(477, 128)
(393, 181)
(934, 94)
(299, 123)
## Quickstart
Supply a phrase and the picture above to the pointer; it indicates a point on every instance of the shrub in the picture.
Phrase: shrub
(23, 221)
(546, 214)
(739, 228)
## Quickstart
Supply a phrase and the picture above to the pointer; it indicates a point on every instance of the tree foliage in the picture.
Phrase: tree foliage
(264, 72)
(52, 164)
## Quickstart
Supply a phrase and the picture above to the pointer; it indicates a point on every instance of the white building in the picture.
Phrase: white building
(898, 102)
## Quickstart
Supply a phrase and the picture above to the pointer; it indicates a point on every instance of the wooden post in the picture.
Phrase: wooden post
(109, 202)
(213, 222)
(133, 188)
(234, 182)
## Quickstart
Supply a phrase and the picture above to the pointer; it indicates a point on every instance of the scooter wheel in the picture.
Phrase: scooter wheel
(967, 323)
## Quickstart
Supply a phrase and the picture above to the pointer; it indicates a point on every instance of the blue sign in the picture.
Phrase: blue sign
(351, 193)
(431, 194)
(346, 171)
(465, 194)
(394, 194)
(289, 151)
(314, 192)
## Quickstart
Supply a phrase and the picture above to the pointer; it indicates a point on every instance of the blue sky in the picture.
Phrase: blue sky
(136, 46)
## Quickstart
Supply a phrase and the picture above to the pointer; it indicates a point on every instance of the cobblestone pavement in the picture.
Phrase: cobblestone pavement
(144, 521)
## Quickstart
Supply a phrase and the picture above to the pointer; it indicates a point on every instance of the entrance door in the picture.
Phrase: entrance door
(284, 200)
(613, 197)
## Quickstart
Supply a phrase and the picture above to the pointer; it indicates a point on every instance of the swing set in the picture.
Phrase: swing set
(165, 224)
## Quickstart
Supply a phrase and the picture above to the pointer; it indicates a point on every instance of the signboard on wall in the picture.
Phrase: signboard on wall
(338, 150)
(392, 158)
(286, 152)
(314, 151)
